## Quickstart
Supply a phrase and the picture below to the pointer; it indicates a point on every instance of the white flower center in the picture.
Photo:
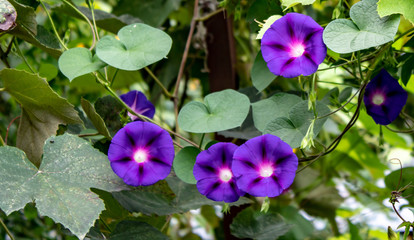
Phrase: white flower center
(225, 175)
(378, 99)
(297, 50)
(266, 171)
(140, 156)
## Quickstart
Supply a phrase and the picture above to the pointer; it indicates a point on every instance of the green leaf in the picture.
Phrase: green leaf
(96, 120)
(391, 234)
(184, 163)
(293, 129)
(48, 71)
(109, 108)
(260, 10)
(160, 199)
(301, 227)
(291, 3)
(28, 30)
(42, 110)
(322, 201)
(365, 30)
(139, 45)
(76, 62)
(104, 20)
(354, 231)
(261, 75)
(404, 7)
(257, 225)
(221, 111)
(278, 105)
(153, 12)
(60, 187)
(406, 185)
(134, 230)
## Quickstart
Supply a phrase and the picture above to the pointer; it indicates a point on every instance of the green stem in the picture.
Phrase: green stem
(19, 52)
(142, 117)
(359, 65)
(166, 93)
(201, 141)
(7, 230)
(403, 34)
(2, 141)
(86, 19)
(92, 7)
(53, 25)
(113, 77)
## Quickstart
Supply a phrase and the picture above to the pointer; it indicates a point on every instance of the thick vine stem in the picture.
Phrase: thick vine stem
(183, 61)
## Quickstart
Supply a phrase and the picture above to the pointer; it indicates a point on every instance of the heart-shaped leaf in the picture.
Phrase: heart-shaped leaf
(139, 45)
(184, 163)
(61, 186)
(405, 7)
(221, 111)
(76, 62)
(278, 105)
(261, 75)
(367, 29)
(293, 129)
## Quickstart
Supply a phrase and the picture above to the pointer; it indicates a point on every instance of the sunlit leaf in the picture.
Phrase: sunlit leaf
(365, 30)
(404, 7)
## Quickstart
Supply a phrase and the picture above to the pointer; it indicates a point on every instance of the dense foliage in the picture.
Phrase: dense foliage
(205, 119)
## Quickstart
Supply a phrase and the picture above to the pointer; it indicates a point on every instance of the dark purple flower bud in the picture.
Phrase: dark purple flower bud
(212, 170)
(264, 166)
(8, 16)
(137, 101)
(141, 153)
(293, 46)
(384, 98)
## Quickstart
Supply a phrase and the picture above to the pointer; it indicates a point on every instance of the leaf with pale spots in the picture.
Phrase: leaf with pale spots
(61, 186)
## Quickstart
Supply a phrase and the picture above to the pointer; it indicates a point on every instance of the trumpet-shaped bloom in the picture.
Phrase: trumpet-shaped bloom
(212, 170)
(264, 166)
(137, 101)
(141, 153)
(384, 98)
(293, 46)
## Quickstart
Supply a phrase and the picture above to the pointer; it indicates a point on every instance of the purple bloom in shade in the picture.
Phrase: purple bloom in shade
(141, 153)
(212, 170)
(293, 46)
(137, 101)
(264, 166)
(384, 98)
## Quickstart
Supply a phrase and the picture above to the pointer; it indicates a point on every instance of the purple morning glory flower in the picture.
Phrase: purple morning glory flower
(141, 153)
(212, 170)
(137, 101)
(264, 166)
(293, 46)
(384, 98)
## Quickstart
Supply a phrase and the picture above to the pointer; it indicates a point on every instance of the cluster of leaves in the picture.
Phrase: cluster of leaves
(49, 78)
